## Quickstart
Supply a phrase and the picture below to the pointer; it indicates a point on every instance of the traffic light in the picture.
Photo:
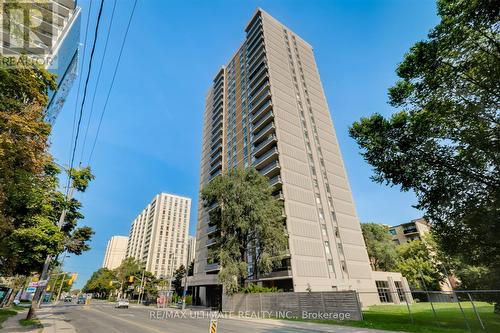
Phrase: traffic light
(72, 279)
(131, 279)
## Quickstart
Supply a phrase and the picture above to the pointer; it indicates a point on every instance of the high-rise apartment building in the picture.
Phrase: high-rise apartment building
(158, 236)
(54, 37)
(115, 252)
(266, 109)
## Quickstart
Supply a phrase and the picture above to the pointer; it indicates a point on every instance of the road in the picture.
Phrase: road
(101, 317)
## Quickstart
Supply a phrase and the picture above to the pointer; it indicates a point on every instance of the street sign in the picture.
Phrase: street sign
(213, 326)
(30, 289)
(33, 284)
(42, 283)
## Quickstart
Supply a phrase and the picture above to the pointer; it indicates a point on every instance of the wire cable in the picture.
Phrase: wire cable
(80, 78)
(84, 93)
(112, 81)
(97, 82)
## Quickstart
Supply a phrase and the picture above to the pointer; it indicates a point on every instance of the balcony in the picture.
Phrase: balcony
(216, 132)
(256, 138)
(251, 47)
(271, 169)
(281, 272)
(259, 93)
(257, 23)
(212, 267)
(216, 150)
(276, 180)
(211, 229)
(255, 56)
(214, 144)
(215, 175)
(216, 118)
(258, 34)
(261, 110)
(211, 241)
(266, 158)
(217, 103)
(262, 71)
(255, 70)
(252, 69)
(264, 145)
(215, 158)
(279, 196)
(216, 167)
(263, 121)
(260, 101)
(212, 206)
(410, 230)
(258, 83)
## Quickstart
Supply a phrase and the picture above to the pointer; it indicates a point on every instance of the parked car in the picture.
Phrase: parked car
(68, 299)
(122, 303)
(81, 300)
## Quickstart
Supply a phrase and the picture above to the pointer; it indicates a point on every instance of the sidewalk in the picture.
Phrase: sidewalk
(53, 322)
(11, 325)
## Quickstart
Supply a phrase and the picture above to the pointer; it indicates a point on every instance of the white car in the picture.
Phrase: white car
(122, 303)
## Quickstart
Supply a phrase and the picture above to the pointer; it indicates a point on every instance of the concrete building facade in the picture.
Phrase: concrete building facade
(158, 236)
(266, 108)
(116, 251)
(407, 232)
(54, 42)
(191, 249)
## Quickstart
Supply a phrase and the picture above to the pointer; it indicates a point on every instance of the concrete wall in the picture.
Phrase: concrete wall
(296, 304)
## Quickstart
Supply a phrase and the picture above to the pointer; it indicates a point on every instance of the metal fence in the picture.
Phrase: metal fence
(459, 310)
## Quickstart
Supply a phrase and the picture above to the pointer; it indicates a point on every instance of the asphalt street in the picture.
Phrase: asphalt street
(102, 317)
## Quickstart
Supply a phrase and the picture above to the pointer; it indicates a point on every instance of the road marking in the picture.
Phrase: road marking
(131, 322)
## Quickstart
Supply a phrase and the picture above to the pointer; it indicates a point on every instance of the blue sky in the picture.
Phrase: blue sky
(150, 139)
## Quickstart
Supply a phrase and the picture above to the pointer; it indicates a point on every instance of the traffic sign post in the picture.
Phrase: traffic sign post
(213, 326)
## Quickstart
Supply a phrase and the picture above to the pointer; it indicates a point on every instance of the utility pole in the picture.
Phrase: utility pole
(60, 287)
(143, 284)
(48, 259)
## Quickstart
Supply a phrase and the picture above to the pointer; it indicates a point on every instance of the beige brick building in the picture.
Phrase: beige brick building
(407, 232)
(158, 236)
(115, 252)
(266, 108)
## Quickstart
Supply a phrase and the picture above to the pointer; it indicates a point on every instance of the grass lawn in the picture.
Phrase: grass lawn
(6, 313)
(449, 318)
(30, 322)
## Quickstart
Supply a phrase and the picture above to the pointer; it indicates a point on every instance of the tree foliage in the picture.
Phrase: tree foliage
(101, 282)
(30, 200)
(444, 142)
(416, 260)
(248, 218)
(381, 249)
(179, 275)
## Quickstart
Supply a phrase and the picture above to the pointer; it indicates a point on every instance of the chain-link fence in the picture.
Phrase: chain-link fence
(439, 311)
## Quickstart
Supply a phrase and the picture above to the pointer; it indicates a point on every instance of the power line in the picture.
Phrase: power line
(85, 92)
(97, 81)
(112, 81)
(80, 79)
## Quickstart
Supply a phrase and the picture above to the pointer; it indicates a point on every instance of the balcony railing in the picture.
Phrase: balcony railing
(215, 174)
(215, 157)
(256, 24)
(257, 150)
(261, 72)
(263, 132)
(276, 180)
(259, 93)
(273, 153)
(263, 121)
(259, 101)
(211, 229)
(268, 169)
(255, 36)
(216, 167)
(257, 112)
(255, 56)
(211, 242)
(212, 267)
(258, 83)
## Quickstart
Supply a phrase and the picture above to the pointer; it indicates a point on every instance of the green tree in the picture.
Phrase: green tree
(418, 263)
(190, 271)
(30, 202)
(248, 218)
(179, 275)
(101, 282)
(444, 143)
(381, 249)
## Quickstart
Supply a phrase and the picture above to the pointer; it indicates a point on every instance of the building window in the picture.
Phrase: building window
(383, 291)
(330, 266)
(392, 231)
